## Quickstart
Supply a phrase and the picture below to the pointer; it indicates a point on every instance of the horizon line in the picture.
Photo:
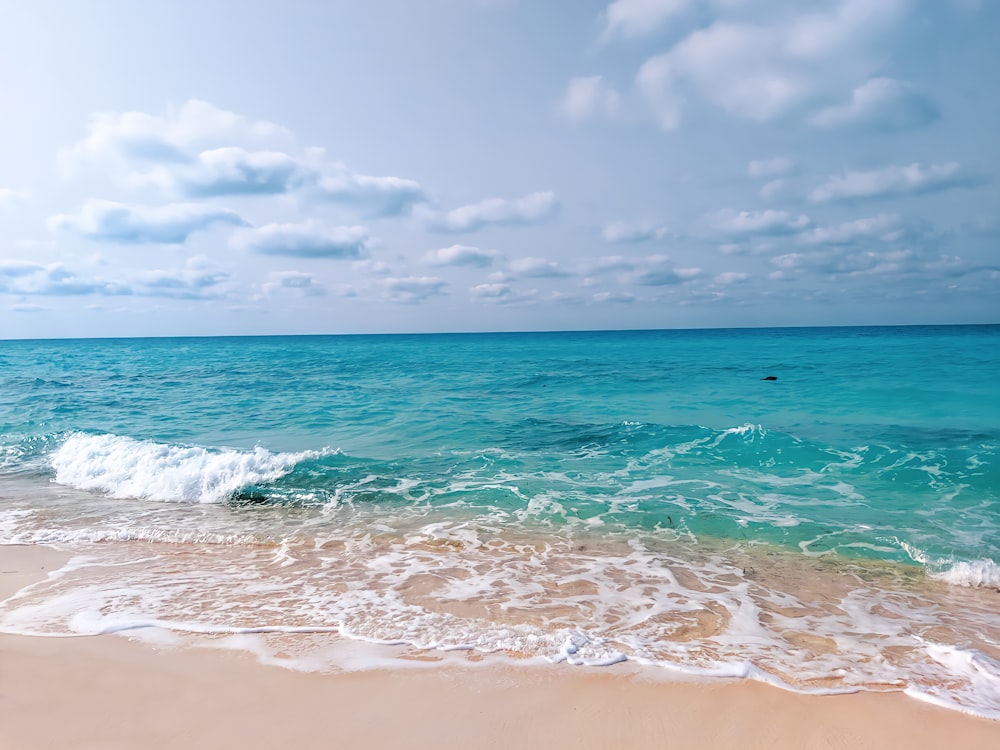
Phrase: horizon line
(499, 333)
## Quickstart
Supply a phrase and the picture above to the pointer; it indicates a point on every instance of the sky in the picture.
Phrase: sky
(231, 167)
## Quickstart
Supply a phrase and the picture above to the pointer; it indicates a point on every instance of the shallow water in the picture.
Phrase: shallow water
(586, 497)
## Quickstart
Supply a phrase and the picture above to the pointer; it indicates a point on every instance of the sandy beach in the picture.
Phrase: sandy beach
(112, 692)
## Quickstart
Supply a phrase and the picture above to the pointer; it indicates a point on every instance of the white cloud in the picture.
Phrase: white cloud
(235, 171)
(743, 223)
(198, 279)
(902, 265)
(27, 307)
(298, 281)
(886, 227)
(630, 18)
(731, 277)
(535, 208)
(230, 170)
(613, 297)
(138, 136)
(412, 289)
(373, 196)
(372, 267)
(589, 97)
(201, 151)
(912, 179)
(13, 269)
(493, 292)
(773, 188)
(537, 268)
(763, 71)
(12, 197)
(625, 231)
(311, 239)
(122, 223)
(657, 270)
(774, 167)
(612, 264)
(52, 279)
(881, 104)
(461, 255)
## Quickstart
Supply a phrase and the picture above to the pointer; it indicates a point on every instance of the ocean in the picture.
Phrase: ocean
(587, 498)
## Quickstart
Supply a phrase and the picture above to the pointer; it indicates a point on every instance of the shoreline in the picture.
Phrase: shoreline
(114, 692)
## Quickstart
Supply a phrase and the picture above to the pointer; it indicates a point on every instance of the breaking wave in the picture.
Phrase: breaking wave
(123, 467)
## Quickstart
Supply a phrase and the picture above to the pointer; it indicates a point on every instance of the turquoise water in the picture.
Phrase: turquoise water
(458, 486)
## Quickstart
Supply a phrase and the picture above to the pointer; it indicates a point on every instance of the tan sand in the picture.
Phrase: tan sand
(108, 692)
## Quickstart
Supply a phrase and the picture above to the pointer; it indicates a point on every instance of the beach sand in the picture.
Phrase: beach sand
(110, 692)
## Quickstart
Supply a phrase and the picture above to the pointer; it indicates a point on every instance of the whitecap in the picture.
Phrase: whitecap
(124, 467)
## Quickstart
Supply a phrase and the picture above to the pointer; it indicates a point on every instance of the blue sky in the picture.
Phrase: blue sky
(258, 167)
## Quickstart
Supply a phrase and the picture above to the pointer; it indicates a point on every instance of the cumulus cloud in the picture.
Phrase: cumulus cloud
(537, 268)
(762, 71)
(139, 136)
(198, 279)
(892, 181)
(230, 170)
(171, 224)
(372, 267)
(767, 168)
(311, 239)
(731, 277)
(588, 98)
(621, 298)
(898, 264)
(496, 293)
(658, 270)
(235, 171)
(882, 104)
(886, 227)
(630, 18)
(373, 196)
(461, 255)
(51, 279)
(412, 289)
(747, 223)
(535, 208)
(12, 197)
(773, 188)
(202, 151)
(298, 281)
(13, 269)
(627, 232)
(612, 264)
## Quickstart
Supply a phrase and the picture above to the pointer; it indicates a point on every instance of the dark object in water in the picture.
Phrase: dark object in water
(769, 377)
(248, 496)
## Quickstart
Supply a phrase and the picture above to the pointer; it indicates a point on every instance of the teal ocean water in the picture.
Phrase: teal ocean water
(579, 497)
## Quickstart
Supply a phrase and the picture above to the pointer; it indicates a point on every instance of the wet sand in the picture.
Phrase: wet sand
(110, 692)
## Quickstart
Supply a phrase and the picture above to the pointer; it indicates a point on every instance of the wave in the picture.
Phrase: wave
(123, 467)
(975, 573)
(980, 574)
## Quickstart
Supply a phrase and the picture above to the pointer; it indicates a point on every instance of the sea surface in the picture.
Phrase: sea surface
(589, 498)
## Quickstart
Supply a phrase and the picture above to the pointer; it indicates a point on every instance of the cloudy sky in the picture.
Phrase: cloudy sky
(252, 166)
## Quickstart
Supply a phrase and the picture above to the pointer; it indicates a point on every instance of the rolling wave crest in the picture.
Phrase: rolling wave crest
(124, 467)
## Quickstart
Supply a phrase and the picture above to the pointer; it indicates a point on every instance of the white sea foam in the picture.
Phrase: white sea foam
(976, 573)
(984, 573)
(979, 674)
(124, 467)
(420, 583)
